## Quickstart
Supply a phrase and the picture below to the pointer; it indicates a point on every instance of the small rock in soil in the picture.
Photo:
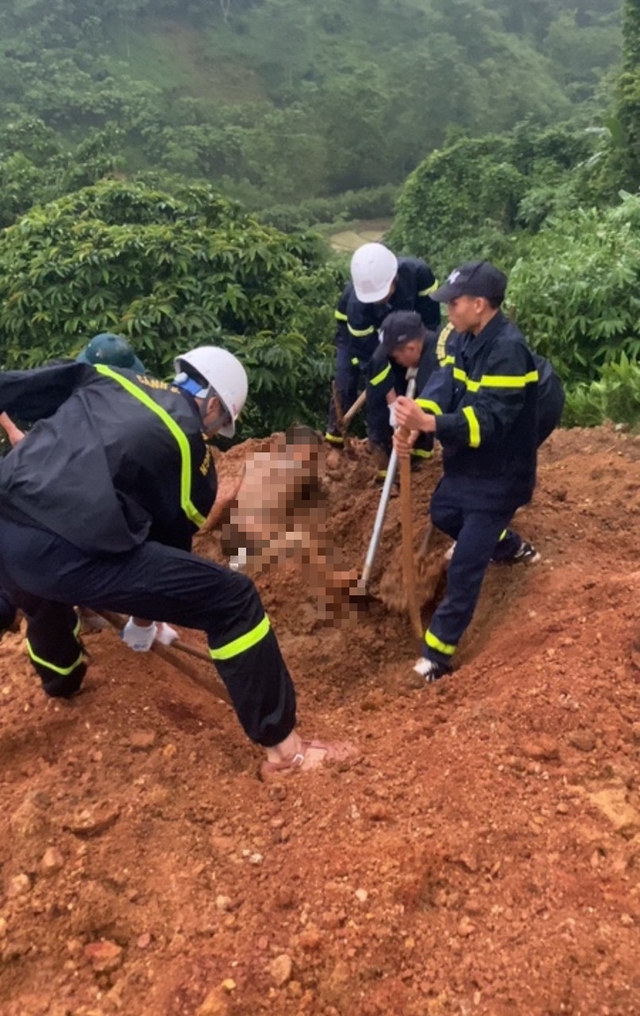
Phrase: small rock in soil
(215, 1004)
(52, 861)
(18, 886)
(281, 969)
(103, 956)
(92, 821)
(583, 740)
(142, 740)
(542, 748)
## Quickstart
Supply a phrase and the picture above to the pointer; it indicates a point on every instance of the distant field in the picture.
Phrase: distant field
(362, 231)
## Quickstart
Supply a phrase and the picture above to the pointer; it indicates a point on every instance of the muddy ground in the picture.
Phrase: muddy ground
(481, 857)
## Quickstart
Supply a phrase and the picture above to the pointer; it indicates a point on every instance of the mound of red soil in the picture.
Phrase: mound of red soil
(482, 857)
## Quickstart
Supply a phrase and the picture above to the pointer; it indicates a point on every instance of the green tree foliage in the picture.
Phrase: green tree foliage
(278, 101)
(626, 157)
(170, 272)
(577, 292)
(36, 167)
(615, 396)
(467, 199)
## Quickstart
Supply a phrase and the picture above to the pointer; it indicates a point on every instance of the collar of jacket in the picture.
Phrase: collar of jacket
(473, 343)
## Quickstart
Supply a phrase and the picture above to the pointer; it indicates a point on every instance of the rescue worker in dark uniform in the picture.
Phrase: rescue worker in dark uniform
(380, 284)
(8, 608)
(404, 344)
(99, 503)
(105, 348)
(348, 374)
(482, 407)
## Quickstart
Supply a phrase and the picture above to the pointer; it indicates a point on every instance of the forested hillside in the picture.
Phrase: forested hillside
(497, 128)
(284, 100)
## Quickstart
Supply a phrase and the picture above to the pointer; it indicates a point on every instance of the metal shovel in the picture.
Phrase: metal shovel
(361, 591)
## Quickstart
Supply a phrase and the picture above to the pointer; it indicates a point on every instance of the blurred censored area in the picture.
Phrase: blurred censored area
(279, 514)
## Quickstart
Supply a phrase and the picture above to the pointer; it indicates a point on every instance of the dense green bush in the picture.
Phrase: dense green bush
(615, 396)
(171, 271)
(577, 292)
(474, 197)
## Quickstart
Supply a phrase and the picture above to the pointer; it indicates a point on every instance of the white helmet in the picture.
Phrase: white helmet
(224, 373)
(373, 269)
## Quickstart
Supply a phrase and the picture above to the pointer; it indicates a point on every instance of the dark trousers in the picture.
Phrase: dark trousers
(46, 576)
(378, 427)
(348, 377)
(481, 536)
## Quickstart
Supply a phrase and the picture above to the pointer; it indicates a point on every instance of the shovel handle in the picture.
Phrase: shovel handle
(408, 568)
(355, 408)
(168, 654)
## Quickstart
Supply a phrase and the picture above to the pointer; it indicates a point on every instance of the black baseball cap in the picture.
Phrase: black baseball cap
(473, 278)
(397, 328)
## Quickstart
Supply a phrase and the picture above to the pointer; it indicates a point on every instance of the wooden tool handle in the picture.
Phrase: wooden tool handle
(408, 569)
(355, 408)
(167, 654)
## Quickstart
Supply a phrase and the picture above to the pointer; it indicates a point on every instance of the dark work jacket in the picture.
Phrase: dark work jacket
(485, 402)
(342, 336)
(386, 375)
(414, 282)
(115, 458)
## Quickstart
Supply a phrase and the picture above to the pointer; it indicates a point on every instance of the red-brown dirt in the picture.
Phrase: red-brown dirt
(482, 857)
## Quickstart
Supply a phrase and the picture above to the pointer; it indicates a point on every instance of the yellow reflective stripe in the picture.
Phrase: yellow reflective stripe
(186, 504)
(381, 376)
(340, 316)
(76, 630)
(355, 361)
(441, 346)
(508, 381)
(430, 289)
(333, 438)
(448, 360)
(243, 642)
(51, 666)
(359, 334)
(435, 643)
(474, 426)
(461, 375)
(431, 407)
(420, 453)
(495, 380)
(503, 535)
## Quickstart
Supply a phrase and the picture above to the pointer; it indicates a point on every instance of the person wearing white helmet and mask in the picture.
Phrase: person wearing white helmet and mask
(99, 503)
(382, 283)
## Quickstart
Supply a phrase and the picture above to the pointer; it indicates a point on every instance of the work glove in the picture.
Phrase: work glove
(140, 638)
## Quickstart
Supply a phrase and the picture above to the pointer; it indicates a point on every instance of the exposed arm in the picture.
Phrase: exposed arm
(14, 434)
